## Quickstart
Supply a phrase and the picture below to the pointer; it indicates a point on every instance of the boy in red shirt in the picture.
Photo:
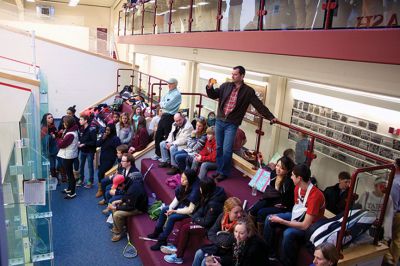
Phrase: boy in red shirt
(309, 208)
(207, 157)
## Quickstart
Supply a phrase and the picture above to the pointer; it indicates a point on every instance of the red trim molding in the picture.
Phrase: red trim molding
(17, 61)
(368, 45)
(15, 87)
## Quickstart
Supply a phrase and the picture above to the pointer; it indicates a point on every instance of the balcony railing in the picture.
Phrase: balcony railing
(179, 16)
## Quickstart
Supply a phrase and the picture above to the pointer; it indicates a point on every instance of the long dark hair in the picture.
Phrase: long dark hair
(113, 131)
(191, 176)
(141, 123)
(207, 188)
(287, 164)
(43, 122)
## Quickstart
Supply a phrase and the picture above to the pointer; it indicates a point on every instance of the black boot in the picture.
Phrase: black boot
(160, 242)
(155, 234)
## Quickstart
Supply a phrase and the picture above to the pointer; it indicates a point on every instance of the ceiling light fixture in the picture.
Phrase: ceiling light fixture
(73, 2)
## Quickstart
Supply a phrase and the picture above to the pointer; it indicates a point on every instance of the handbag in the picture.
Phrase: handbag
(299, 209)
(260, 180)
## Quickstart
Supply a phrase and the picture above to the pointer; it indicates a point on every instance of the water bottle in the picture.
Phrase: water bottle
(254, 191)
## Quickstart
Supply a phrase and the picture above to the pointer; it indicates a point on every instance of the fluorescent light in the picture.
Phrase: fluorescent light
(73, 2)
(202, 3)
(32, 1)
(184, 7)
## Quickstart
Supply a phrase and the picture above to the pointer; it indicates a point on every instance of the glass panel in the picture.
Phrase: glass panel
(137, 23)
(279, 15)
(180, 17)
(363, 14)
(163, 15)
(306, 14)
(205, 15)
(121, 23)
(148, 17)
(129, 17)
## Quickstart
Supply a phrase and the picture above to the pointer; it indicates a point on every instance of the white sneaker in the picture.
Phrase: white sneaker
(155, 157)
(170, 249)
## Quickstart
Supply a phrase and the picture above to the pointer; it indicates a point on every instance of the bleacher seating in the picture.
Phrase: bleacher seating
(141, 225)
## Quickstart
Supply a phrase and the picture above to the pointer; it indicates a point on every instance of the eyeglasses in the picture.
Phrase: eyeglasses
(122, 161)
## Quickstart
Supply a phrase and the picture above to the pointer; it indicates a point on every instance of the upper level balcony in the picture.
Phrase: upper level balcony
(366, 31)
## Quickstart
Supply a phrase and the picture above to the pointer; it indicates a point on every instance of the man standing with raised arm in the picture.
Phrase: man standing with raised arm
(234, 99)
(169, 104)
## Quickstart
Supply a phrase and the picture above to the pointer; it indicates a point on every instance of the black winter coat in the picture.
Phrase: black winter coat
(88, 136)
(207, 214)
(135, 197)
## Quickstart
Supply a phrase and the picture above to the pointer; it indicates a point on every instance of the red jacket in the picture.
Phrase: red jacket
(209, 152)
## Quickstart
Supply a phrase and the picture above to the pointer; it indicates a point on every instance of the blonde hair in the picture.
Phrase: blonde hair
(249, 224)
(128, 123)
(231, 203)
(210, 130)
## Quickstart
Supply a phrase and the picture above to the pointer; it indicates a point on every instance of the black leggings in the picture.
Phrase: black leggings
(69, 170)
(163, 129)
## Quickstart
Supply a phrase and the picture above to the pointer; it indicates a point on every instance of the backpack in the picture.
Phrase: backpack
(155, 210)
(117, 104)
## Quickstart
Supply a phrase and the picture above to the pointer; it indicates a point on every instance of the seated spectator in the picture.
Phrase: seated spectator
(207, 157)
(128, 171)
(373, 201)
(108, 154)
(211, 119)
(195, 143)
(325, 254)
(176, 141)
(133, 202)
(278, 196)
(221, 234)
(124, 128)
(115, 118)
(107, 180)
(140, 138)
(309, 207)
(301, 147)
(183, 205)
(211, 205)
(137, 113)
(248, 247)
(336, 195)
(87, 147)
(238, 144)
(154, 123)
(289, 153)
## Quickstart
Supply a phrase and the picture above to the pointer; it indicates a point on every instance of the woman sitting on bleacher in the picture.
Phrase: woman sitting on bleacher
(194, 144)
(248, 248)
(211, 205)
(221, 234)
(124, 128)
(108, 153)
(278, 196)
(140, 138)
(186, 197)
(137, 113)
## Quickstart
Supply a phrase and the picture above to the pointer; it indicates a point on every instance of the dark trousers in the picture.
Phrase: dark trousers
(103, 168)
(68, 167)
(188, 230)
(163, 129)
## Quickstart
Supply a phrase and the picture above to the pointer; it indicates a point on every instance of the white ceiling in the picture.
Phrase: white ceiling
(103, 3)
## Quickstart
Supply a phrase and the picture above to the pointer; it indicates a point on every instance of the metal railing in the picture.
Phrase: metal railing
(195, 15)
(310, 155)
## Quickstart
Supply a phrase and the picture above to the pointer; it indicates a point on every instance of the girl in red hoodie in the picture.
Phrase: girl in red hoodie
(206, 158)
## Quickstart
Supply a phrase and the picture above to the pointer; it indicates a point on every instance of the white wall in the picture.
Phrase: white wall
(74, 26)
(73, 76)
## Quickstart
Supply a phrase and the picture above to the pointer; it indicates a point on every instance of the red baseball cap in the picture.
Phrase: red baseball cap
(118, 180)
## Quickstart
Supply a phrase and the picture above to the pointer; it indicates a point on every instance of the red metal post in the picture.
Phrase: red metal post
(155, 17)
(171, 2)
(219, 16)
(190, 16)
(119, 20)
(142, 4)
(259, 133)
(328, 7)
(310, 151)
(261, 13)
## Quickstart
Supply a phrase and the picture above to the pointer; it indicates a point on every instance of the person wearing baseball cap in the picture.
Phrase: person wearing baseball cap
(169, 104)
(117, 181)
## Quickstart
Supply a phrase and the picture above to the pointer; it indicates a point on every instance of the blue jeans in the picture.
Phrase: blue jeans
(180, 159)
(104, 184)
(168, 155)
(90, 158)
(199, 258)
(168, 222)
(225, 134)
(204, 168)
(291, 239)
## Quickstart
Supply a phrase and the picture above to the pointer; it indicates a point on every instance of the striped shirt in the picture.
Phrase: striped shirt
(231, 103)
(171, 101)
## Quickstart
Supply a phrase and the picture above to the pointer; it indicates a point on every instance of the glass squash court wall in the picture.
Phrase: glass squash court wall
(28, 228)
